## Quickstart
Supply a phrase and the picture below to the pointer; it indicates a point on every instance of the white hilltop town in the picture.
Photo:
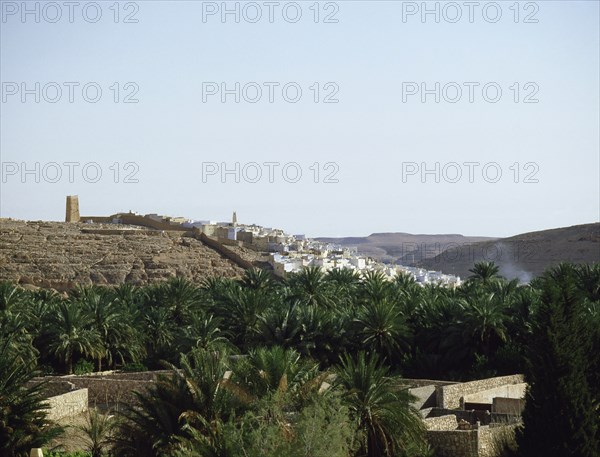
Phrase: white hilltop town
(287, 253)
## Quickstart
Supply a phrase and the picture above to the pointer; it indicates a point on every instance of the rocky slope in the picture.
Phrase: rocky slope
(60, 255)
(404, 248)
(524, 256)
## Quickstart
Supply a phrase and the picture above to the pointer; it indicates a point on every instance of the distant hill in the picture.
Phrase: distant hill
(524, 256)
(404, 248)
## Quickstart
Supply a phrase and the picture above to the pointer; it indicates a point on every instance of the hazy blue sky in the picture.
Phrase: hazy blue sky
(371, 134)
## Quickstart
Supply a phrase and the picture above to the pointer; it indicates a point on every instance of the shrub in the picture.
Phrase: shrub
(83, 366)
(133, 367)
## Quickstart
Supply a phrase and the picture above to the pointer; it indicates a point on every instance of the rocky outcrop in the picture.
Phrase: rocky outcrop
(62, 255)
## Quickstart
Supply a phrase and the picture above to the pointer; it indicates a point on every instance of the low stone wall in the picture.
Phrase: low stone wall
(505, 391)
(470, 416)
(121, 232)
(448, 422)
(111, 391)
(68, 404)
(426, 382)
(450, 396)
(135, 219)
(453, 443)
(492, 440)
(485, 441)
(109, 387)
(512, 406)
(52, 388)
(121, 375)
(227, 253)
(425, 397)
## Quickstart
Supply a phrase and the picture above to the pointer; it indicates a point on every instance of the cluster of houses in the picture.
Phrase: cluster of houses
(288, 253)
(291, 253)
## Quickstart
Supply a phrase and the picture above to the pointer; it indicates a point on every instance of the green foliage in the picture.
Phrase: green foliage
(66, 454)
(321, 429)
(134, 367)
(83, 367)
(561, 414)
(97, 431)
(23, 421)
(255, 356)
(381, 408)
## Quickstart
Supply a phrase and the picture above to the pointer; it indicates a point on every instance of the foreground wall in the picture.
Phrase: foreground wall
(492, 440)
(453, 443)
(68, 404)
(450, 396)
(109, 387)
(505, 391)
(484, 441)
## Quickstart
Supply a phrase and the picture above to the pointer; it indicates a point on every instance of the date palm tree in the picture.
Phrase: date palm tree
(240, 309)
(387, 423)
(109, 318)
(257, 278)
(485, 322)
(72, 334)
(374, 287)
(190, 396)
(160, 331)
(23, 417)
(275, 370)
(345, 283)
(381, 326)
(280, 325)
(310, 286)
(182, 299)
(485, 272)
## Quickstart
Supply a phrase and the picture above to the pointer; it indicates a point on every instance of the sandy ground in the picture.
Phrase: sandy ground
(72, 439)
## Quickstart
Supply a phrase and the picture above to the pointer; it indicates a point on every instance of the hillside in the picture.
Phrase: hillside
(404, 248)
(60, 255)
(524, 256)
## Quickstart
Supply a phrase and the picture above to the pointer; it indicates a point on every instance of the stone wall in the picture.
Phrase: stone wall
(492, 440)
(227, 253)
(512, 406)
(425, 397)
(450, 396)
(68, 404)
(111, 391)
(135, 219)
(470, 416)
(426, 382)
(453, 443)
(52, 388)
(110, 387)
(447, 422)
(505, 391)
(485, 441)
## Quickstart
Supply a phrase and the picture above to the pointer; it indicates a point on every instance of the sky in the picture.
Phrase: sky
(324, 118)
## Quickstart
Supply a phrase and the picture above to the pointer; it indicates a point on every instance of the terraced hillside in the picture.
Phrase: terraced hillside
(61, 255)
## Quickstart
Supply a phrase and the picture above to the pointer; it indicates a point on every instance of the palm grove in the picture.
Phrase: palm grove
(308, 366)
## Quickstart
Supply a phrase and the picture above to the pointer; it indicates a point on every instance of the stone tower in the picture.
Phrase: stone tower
(72, 209)
(234, 219)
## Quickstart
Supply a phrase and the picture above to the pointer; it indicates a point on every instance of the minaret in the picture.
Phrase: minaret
(72, 209)
(234, 219)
